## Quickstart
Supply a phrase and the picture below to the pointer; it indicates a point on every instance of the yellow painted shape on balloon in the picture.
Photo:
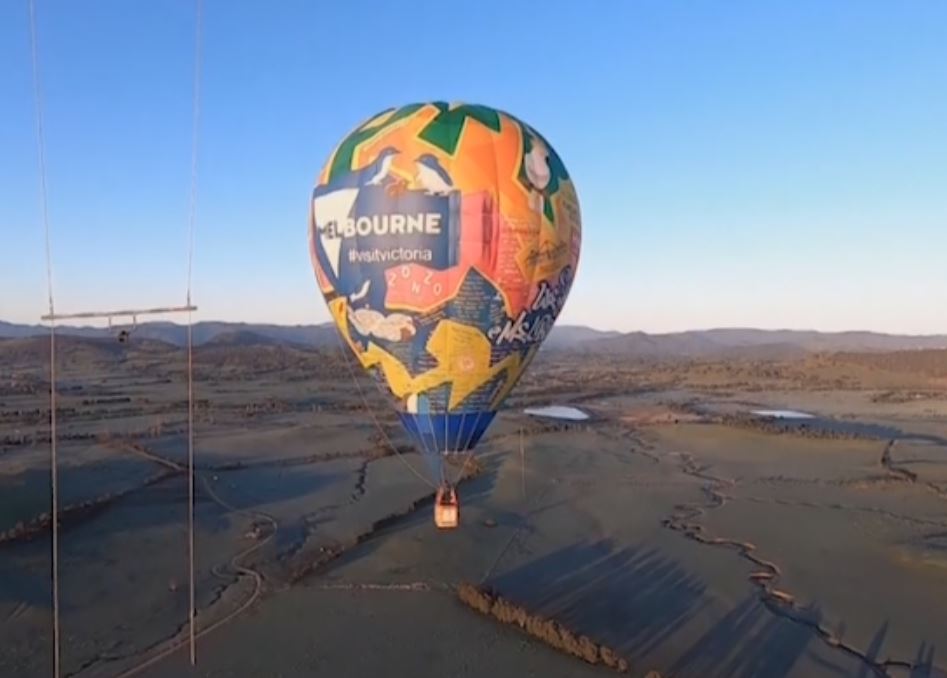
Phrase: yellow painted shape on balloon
(337, 309)
(463, 360)
(512, 376)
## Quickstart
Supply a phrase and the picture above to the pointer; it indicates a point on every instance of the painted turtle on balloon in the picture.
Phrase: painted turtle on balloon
(445, 239)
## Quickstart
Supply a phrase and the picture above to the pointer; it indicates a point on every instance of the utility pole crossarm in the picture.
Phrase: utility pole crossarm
(124, 313)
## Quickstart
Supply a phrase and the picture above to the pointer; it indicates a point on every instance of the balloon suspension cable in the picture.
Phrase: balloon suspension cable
(434, 451)
(428, 450)
(343, 351)
(445, 481)
(192, 220)
(458, 446)
(466, 444)
(463, 417)
(53, 452)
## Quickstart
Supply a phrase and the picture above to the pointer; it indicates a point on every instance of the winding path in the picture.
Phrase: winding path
(780, 602)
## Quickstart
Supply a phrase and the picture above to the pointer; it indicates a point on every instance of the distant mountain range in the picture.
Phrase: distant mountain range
(729, 342)
(737, 342)
(223, 333)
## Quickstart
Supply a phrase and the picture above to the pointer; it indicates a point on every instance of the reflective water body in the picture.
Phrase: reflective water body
(784, 414)
(557, 412)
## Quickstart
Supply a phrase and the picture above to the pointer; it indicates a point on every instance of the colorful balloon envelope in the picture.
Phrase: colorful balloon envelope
(445, 240)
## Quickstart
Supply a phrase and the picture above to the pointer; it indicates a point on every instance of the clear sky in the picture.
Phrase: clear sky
(768, 164)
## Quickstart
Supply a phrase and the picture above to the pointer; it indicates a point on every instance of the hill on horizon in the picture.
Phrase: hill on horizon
(749, 343)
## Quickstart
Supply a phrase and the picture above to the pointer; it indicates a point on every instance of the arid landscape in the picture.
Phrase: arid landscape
(678, 530)
(472, 340)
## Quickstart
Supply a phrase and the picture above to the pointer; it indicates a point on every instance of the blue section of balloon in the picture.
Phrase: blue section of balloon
(455, 432)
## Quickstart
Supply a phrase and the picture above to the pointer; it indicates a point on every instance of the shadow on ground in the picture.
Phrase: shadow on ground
(750, 642)
(632, 599)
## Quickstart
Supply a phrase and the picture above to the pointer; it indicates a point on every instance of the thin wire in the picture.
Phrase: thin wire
(440, 459)
(190, 486)
(195, 137)
(428, 450)
(53, 452)
(495, 216)
(463, 415)
(471, 434)
(436, 456)
(192, 219)
(522, 367)
(449, 387)
(343, 350)
(54, 493)
(41, 150)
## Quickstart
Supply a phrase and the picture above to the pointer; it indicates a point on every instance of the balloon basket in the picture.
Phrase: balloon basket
(446, 508)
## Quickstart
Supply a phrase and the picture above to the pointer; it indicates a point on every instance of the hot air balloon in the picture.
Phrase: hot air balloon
(445, 240)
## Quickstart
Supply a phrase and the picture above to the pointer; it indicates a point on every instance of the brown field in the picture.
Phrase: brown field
(675, 531)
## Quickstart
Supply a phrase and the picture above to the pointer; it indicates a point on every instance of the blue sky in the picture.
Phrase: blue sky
(738, 163)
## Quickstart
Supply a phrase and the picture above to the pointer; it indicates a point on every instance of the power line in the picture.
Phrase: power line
(53, 454)
(192, 218)
(51, 317)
